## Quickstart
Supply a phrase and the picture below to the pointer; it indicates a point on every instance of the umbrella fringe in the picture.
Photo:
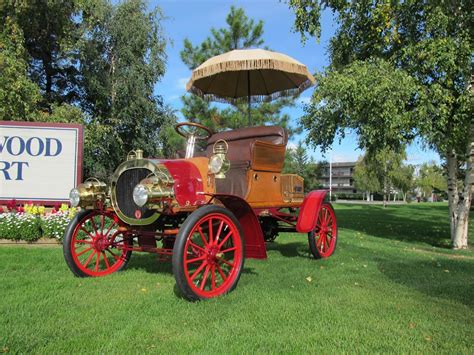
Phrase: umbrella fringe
(251, 64)
(253, 98)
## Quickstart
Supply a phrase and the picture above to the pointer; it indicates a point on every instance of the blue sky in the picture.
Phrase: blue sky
(194, 19)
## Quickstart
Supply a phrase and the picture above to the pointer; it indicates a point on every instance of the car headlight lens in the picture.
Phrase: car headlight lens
(215, 164)
(74, 197)
(140, 195)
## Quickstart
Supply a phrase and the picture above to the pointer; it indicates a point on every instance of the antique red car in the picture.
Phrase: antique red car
(209, 210)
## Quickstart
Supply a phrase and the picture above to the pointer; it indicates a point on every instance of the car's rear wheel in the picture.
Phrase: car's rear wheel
(323, 238)
(94, 246)
(208, 254)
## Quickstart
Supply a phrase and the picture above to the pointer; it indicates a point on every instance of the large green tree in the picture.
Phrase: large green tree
(50, 32)
(399, 70)
(241, 32)
(18, 94)
(122, 58)
(95, 63)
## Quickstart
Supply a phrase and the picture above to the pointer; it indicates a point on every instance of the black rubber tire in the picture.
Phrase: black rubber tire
(78, 218)
(180, 243)
(312, 240)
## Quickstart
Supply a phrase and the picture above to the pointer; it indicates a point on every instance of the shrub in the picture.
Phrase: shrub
(19, 226)
(30, 222)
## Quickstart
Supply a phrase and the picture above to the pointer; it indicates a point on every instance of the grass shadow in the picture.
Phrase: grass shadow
(439, 279)
(290, 250)
(425, 223)
(151, 263)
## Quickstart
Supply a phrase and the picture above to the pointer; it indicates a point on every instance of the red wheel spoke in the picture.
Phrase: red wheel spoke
(221, 272)
(213, 277)
(202, 236)
(102, 222)
(195, 259)
(89, 259)
(82, 241)
(97, 261)
(90, 235)
(204, 278)
(114, 255)
(106, 261)
(110, 228)
(318, 242)
(199, 269)
(225, 262)
(194, 245)
(94, 225)
(219, 230)
(227, 250)
(225, 239)
(84, 251)
(211, 237)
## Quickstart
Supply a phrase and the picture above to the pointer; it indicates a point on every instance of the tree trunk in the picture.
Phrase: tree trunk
(461, 229)
(453, 196)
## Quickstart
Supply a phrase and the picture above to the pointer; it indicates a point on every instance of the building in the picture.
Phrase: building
(342, 177)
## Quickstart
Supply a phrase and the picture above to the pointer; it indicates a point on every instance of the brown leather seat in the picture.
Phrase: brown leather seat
(257, 148)
(241, 140)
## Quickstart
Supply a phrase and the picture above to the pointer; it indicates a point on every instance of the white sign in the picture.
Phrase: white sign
(39, 162)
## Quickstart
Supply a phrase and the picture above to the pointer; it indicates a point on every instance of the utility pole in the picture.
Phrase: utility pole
(330, 177)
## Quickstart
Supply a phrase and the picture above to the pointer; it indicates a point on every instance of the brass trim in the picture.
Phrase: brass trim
(134, 164)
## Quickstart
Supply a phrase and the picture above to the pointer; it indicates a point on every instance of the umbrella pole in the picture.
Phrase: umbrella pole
(248, 96)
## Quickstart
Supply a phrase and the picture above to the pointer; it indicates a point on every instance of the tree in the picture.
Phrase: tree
(403, 179)
(431, 179)
(122, 58)
(18, 94)
(379, 171)
(50, 32)
(241, 33)
(297, 162)
(399, 70)
(365, 178)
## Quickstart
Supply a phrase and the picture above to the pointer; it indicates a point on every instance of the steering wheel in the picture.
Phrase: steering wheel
(188, 129)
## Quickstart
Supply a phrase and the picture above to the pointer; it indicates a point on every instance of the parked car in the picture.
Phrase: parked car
(208, 211)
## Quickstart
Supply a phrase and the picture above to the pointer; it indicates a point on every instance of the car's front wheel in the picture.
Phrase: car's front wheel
(94, 246)
(208, 254)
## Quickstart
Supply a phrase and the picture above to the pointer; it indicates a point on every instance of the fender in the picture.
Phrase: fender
(309, 211)
(253, 236)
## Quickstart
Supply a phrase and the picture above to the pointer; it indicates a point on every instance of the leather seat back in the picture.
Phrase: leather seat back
(241, 141)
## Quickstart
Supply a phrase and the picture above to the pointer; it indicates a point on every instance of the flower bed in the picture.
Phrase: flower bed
(31, 222)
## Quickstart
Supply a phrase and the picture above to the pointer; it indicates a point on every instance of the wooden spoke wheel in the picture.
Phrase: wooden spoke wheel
(93, 246)
(208, 255)
(323, 238)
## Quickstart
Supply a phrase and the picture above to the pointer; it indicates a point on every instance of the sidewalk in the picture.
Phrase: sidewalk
(364, 202)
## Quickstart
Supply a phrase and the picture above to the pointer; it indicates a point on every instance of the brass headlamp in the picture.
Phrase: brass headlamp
(89, 193)
(218, 163)
(154, 189)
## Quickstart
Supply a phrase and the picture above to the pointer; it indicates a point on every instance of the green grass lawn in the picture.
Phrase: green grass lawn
(391, 286)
